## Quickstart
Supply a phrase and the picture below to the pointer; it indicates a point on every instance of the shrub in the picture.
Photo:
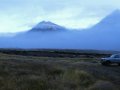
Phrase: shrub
(78, 78)
(103, 85)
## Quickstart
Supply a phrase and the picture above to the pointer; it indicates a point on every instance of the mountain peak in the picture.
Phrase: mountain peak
(110, 22)
(47, 22)
(115, 13)
(47, 26)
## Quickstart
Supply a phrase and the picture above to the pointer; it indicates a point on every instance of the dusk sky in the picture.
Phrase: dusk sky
(20, 15)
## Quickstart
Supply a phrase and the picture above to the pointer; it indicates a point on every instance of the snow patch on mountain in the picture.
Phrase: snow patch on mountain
(47, 26)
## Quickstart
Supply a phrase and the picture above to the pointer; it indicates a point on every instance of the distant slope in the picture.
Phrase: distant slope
(106, 33)
(110, 22)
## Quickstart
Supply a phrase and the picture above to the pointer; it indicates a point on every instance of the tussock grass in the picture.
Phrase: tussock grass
(19, 72)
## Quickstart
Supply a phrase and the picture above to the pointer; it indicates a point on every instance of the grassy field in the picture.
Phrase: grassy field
(23, 70)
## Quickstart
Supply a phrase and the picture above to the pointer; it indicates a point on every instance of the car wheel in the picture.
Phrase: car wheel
(119, 64)
(106, 63)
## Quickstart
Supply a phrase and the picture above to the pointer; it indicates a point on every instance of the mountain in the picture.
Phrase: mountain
(110, 23)
(103, 36)
(106, 33)
(45, 26)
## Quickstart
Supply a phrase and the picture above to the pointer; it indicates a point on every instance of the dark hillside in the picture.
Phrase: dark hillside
(57, 52)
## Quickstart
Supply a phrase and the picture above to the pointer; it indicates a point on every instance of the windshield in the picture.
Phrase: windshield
(115, 56)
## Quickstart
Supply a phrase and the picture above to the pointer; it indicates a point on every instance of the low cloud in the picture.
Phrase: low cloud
(19, 15)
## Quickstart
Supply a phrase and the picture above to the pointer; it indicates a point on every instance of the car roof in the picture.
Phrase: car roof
(117, 54)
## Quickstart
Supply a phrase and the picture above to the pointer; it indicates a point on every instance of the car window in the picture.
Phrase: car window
(117, 56)
(112, 56)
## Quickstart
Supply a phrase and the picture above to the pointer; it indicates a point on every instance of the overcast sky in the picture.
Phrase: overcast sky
(20, 15)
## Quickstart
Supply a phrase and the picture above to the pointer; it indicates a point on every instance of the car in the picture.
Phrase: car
(115, 58)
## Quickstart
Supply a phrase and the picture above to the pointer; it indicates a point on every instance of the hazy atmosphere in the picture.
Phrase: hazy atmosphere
(59, 45)
(21, 15)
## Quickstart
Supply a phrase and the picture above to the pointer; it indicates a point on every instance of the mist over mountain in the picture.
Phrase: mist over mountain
(102, 36)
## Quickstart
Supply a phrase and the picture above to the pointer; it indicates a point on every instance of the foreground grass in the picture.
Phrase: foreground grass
(49, 73)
